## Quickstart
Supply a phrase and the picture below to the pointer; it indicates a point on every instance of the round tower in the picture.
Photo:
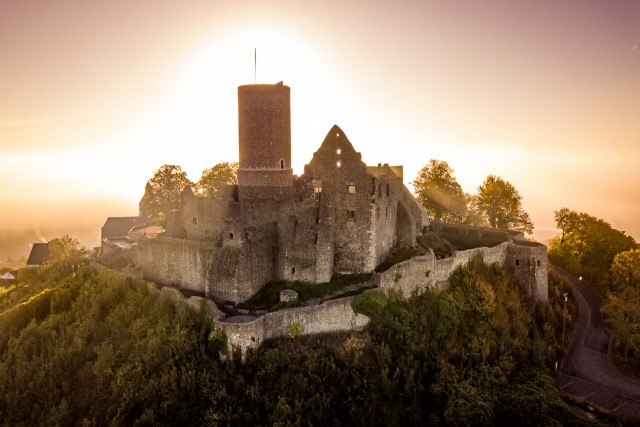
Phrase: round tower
(264, 124)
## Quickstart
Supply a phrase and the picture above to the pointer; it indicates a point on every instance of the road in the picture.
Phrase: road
(587, 372)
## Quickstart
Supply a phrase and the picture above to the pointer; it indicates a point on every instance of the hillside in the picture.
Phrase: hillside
(96, 349)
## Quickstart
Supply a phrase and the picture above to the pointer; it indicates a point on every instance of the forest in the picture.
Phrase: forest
(95, 349)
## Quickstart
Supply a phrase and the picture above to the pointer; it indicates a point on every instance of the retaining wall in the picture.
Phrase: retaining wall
(330, 316)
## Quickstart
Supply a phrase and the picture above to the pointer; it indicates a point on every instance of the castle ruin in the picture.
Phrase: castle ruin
(339, 216)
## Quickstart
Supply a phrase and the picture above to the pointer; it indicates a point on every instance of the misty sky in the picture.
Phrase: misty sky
(96, 95)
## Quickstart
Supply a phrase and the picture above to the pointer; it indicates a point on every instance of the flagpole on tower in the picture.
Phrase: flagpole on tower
(255, 65)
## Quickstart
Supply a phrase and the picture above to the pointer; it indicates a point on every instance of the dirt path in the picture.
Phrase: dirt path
(587, 372)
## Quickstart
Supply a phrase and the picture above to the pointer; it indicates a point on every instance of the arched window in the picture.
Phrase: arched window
(281, 163)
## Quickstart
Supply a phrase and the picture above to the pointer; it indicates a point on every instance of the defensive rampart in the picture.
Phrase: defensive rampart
(227, 273)
(330, 316)
(528, 261)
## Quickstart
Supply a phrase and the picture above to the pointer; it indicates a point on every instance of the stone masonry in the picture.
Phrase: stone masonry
(340, 216)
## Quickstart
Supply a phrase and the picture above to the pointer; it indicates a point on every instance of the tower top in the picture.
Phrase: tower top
(264, 130)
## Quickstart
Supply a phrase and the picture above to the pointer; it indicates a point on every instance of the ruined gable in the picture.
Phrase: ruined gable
(338, 217)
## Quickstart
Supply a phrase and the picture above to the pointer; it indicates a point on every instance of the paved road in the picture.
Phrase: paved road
(587, 372)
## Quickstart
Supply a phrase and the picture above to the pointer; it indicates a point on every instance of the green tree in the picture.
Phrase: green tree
(474, 215)
(162, 191)
(588, 246)
(625, 269)
(66, 254)
(501, 203)
(214, 178)
(438, 191)
(623, 315)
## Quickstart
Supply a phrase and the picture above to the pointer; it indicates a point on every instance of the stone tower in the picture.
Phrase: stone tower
(264, 124)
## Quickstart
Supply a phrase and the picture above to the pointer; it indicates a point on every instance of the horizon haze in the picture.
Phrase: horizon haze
(96, 96)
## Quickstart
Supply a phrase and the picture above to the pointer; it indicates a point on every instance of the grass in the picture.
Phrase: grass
(269, 297)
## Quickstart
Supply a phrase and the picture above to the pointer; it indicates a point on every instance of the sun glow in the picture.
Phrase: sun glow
(195, 125)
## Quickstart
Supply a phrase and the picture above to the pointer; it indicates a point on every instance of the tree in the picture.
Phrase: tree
(214, 178)
(625, 269)
(162, 192)
(588, 246)
(65, 254)
(438, 190)
(501, 203)
(474, 215)
(623, 315)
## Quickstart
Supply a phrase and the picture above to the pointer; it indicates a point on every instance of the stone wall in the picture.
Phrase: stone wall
(227, 273)
(338, 167)
(528, 261)
(264, 130)
(330, 316)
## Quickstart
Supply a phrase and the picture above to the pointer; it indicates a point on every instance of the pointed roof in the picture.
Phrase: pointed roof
(39, 254)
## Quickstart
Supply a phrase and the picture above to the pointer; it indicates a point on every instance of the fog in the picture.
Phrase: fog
(30, 223)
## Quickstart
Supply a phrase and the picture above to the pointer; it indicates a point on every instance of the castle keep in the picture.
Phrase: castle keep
(339, 216)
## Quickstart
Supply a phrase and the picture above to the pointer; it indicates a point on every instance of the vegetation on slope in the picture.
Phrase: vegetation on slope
(98, 349)
(609, 261)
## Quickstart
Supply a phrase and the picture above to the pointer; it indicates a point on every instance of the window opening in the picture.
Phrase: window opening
(352, 189)
(351, 214)
(517, 261)
(230, 236)
(281, 164)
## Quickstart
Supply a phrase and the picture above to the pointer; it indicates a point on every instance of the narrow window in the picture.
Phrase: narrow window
(230, 236)
(316, 237)
(351, 215)
(281, 164)
(338, 151)
(247, 236)
(379, 191)
(387, 190)
(338, 164)
(538, 263)
(386, 212)
(377, 212)
(352, 189)
(293, 270)
(517, 261)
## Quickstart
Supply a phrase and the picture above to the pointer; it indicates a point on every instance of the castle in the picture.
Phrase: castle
(339, 216)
